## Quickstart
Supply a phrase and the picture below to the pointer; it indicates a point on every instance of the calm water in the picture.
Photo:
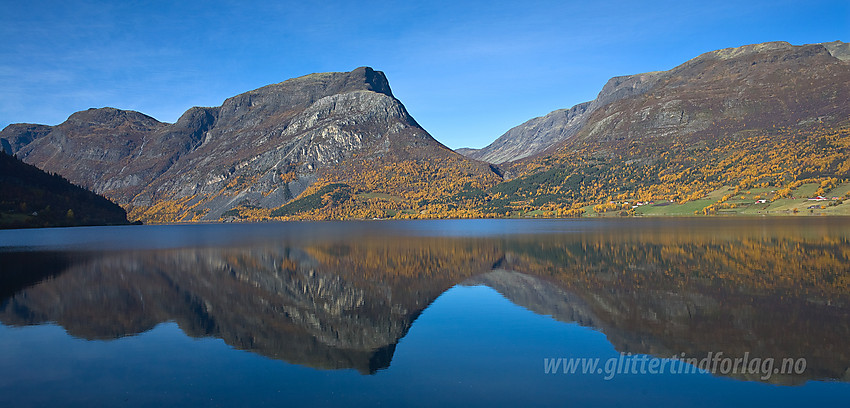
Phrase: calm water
(461, 313)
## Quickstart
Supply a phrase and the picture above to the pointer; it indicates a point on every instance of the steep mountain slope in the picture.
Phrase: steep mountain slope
(259, 150)
(757, 81)
(541, 133)
(30, 197)
(769, 117)
(721, 92)
(111, 151)
(18, 135)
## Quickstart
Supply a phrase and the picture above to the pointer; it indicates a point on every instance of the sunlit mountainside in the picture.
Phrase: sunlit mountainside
(761, 128)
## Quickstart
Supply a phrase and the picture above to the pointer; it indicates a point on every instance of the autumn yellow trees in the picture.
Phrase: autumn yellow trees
(586, 178)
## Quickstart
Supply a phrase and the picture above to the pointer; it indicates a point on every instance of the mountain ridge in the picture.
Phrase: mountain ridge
(530, 138)
(769, 116)
(259, 149)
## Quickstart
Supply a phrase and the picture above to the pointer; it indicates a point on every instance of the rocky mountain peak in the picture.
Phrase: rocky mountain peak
(745, 50)
(252, 108)
(18, 135)
(109, 117)
(330, 83)
(374, 81)
(259, 149)
(838, 49)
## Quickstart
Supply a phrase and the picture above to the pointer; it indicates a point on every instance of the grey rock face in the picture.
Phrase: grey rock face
(325, 133)
(539, 134)
(213, 159)
(533, 136)
(838, 49)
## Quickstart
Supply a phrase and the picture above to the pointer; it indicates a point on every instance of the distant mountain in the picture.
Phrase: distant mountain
(541, 133)
(761, 84)
(30, 197)
(533, 136)
(259, 150)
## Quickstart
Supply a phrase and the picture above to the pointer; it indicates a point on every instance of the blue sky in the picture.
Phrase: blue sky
(466, 70)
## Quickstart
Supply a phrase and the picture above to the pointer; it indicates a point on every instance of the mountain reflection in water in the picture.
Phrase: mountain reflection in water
(338, 303)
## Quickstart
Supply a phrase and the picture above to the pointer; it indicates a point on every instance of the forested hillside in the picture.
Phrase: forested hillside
(30, 197)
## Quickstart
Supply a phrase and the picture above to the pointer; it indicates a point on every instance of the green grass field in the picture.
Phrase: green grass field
(745, 203)
(839, 191)
(686, 209)
(366, 196)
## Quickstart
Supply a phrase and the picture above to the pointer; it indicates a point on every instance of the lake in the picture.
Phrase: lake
(609, 312)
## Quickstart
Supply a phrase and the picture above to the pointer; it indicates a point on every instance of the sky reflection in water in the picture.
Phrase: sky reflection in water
(455, 312)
